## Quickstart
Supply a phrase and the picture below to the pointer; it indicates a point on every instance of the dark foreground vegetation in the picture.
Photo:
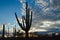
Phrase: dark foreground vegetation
(34, 37)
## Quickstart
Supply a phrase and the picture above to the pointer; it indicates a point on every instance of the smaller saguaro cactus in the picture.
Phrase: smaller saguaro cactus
(14, 32)
(3, 30)
(26, 20)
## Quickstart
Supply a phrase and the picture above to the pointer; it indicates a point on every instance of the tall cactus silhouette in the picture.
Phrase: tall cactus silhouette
(14, 31)
(3, 30)
(26, 20)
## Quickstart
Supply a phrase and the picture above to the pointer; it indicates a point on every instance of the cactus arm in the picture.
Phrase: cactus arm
(30, 20)
(23, 19)
(19, 22)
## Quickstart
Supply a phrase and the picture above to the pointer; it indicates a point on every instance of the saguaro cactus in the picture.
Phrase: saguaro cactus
(3, 30)
(14, 32)
(26, 20)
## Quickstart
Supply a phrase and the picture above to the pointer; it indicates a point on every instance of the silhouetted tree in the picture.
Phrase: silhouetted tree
(26, 20)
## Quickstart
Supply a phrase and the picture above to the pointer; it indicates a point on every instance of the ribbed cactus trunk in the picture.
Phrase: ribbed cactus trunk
(3, 30)
(27, 34)
(26, 20)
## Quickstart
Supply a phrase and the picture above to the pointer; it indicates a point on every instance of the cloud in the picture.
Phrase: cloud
(34, 29)
(47, 25)
(41, 3)
(22, 1)
(46, 15)
(50, 12)
(23, 6)
(51, 1)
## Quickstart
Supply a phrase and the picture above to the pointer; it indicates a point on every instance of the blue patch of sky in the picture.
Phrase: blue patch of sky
(7, 10)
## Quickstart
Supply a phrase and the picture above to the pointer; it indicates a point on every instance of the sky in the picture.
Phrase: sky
(46, 14)
(7, 10)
